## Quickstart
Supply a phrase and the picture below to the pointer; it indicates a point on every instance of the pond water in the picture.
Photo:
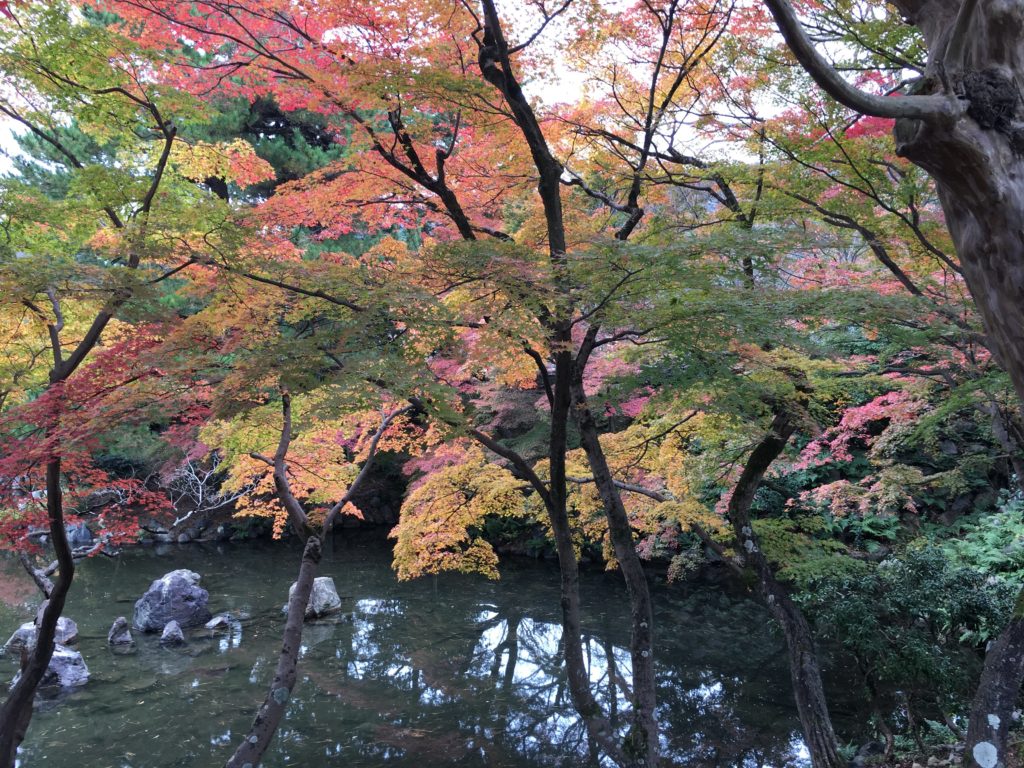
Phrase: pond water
(453, 670)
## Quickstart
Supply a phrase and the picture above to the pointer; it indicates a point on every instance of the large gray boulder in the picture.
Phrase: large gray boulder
(23, 637)
(176, 596)
(323, 600)
(67, 669)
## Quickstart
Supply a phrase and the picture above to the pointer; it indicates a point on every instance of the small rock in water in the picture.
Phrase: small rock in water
(323, 599)
(79, 535)
(120, 634)
(67, 631)
(172, 634)
(67, 669)
(220, 621)
(25, 635)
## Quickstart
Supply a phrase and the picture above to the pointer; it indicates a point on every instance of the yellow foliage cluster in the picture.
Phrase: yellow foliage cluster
(322, 464)
(442, 518)
(234, 161)
(655, 455)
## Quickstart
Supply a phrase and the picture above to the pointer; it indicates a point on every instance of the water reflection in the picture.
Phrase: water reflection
(438, 672)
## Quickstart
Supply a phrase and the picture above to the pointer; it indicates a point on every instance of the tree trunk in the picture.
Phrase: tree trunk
(643, 742)
(997, 694)
(577, 672)
(16, 713)
(978, 167)
(264, 726)
(808, 689)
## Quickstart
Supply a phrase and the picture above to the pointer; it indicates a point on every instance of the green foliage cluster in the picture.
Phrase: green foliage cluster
(992, 544)
(909, 622)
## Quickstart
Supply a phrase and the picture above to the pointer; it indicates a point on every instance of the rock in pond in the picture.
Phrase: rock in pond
(67, 669)
(120, 635)
(172, 634)
(222, 621)
(67, 631)
(25, 635)
(176, 596)
(323, 600)
(79, 535)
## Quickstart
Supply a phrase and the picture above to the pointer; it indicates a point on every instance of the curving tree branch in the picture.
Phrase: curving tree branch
(924, 107)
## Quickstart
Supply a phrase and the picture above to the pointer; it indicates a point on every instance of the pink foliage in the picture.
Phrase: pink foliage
(835, 444)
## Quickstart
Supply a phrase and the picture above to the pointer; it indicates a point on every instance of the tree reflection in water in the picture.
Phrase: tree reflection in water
(429, 673)
(723, 682)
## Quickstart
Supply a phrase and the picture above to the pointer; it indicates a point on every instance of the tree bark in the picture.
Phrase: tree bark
(16, 713)
(643, 741)
(997, 694)
(808, 689)
(964, 125)
(271, 712)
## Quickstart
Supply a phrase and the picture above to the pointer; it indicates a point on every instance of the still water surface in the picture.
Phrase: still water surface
(453, 670)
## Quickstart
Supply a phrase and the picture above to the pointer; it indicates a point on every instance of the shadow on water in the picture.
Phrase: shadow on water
(453, 670)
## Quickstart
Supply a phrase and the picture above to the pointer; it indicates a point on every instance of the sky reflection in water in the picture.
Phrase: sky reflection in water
(446, 671)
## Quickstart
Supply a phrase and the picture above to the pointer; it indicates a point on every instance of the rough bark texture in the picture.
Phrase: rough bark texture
(997, 693)
(643, 743)
(271, 712)
(808, 689)
(976, 159)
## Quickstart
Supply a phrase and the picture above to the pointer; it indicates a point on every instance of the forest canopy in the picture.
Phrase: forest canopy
(650, 285)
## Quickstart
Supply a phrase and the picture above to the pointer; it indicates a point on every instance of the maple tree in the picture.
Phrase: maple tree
(73, 262)
(608, 326)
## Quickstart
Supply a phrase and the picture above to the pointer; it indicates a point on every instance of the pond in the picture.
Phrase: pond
(452, 670)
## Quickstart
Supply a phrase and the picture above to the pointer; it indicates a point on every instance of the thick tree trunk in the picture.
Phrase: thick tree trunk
(271, 712)
(16, 713)
(808, 689)
(997, 694)
(977, 162)
(644, 735)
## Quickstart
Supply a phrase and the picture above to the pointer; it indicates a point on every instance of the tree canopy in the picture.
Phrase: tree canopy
(615, 282)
